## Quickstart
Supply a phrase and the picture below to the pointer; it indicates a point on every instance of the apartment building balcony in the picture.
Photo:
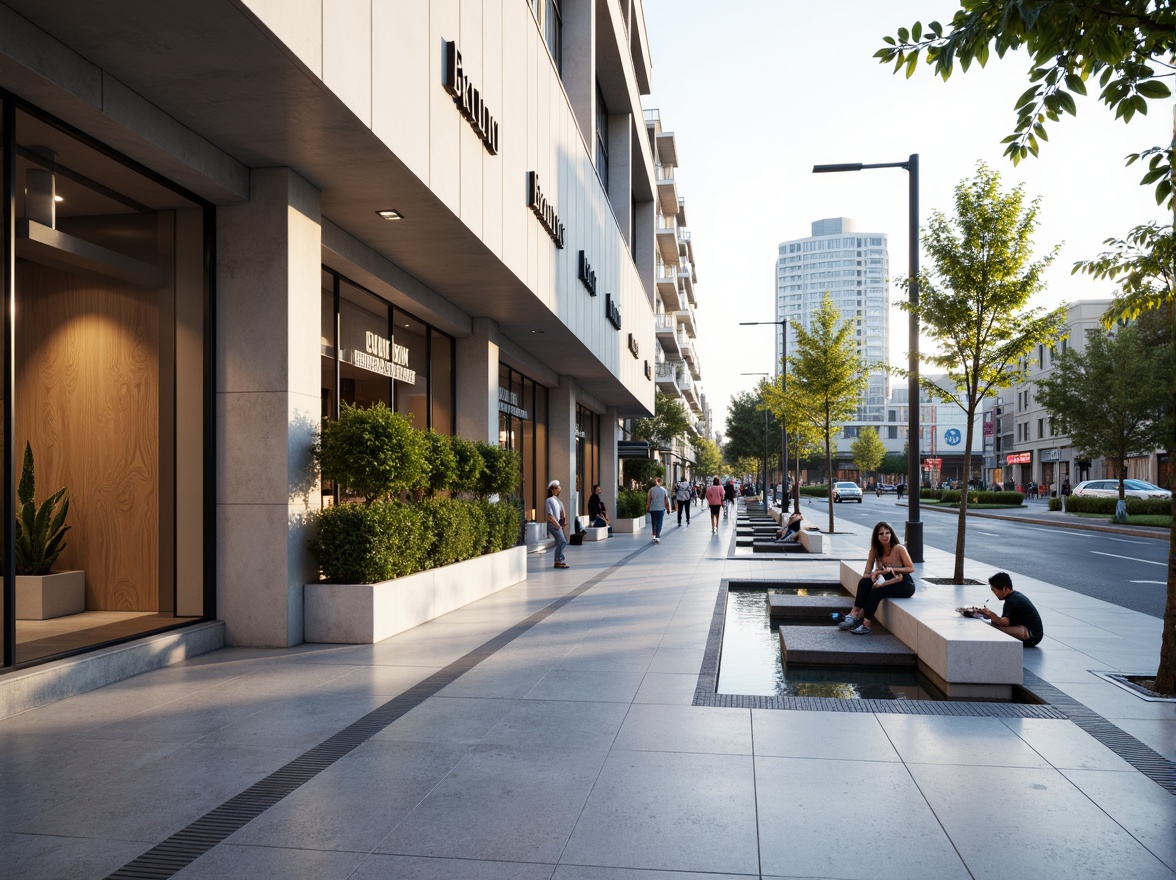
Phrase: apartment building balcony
(667, 191)
(665, 328)
(667, 148)
(684, 247)
(686, 281)
(681, 210)
(667, 239)
(686, 318)
(666, 277)
(666, 377)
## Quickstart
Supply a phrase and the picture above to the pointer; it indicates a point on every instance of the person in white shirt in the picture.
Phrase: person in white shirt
(657, 503)
(557, 521)
(683, 493)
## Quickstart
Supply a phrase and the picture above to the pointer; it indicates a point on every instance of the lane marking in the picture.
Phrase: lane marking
(1130, 558)
(1125, 541)
(988, 534)
(1161, 583)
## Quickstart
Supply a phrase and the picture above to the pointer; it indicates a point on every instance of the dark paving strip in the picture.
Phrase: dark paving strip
(1143, 758)
(188, 844)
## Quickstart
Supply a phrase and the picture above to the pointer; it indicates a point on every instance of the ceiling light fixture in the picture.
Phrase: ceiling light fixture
(389, 214)
(58, 199)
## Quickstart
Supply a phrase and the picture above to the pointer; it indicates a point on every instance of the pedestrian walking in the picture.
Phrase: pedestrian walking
(657, 503)
(557, 521)
(683, 493)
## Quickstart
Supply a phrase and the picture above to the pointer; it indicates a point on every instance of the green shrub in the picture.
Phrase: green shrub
(470, 465)
(368, 543)
(40, 531)
(1135, 506)
(642, 471)
(815, 491)
(502, 470)
(935, 494)
(455, 529)
(504, 524)
(441, 462)
(630, 504)
(372, 452)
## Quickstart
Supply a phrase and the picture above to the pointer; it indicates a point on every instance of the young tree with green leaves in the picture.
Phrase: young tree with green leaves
(708, 460)
(802, 419)
(827, 372)
(1106, 397)
(670, 420)
(868, 450)
(748, 431)
(1129, 45)
(973, 303)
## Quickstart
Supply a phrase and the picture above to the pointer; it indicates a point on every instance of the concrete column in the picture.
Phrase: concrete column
(268, 400)
(477, 383)
(620, 171)
(610, 474)
(561, 440)
(579, 64)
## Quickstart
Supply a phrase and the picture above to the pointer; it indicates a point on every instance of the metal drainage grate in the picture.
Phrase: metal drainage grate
(188, 844)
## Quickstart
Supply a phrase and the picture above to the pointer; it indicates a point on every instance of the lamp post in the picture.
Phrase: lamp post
(914, 527)
(783, 325)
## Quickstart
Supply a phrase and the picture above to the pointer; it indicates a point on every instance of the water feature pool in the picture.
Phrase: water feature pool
(750, 662)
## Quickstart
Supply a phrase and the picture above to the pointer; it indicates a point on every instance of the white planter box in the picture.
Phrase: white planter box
(57, 594)
(360, 614)
(628, 526)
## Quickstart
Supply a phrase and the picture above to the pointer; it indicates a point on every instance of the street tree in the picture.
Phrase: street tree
(708, 460)
(802, 420)
(1129, 45)
(1106, 399)
(669, 421)
(750, 431)
(868, 450)
(826, 370)
(893, 464)
(973, 304)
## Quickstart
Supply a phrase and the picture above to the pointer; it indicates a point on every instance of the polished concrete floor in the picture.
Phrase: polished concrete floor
(574, 750)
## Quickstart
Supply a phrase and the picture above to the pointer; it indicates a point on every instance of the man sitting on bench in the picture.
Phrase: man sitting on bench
(1021, 620)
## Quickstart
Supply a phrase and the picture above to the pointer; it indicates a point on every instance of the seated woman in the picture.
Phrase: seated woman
(887, 576)
(791, 530)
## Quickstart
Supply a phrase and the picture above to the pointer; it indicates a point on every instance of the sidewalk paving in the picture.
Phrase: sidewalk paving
(567, 747)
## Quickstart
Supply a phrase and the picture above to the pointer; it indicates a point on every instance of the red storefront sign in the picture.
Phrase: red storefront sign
(1019, 458)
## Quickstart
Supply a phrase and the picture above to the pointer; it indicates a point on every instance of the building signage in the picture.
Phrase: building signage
(933, 463)
(385, 357)
(587, 275)
(1051, 455)
(508, 402)
(633, 345)
(648, 371)
(612, 311)
(1019, 458)
(468, 99)
(543, 209)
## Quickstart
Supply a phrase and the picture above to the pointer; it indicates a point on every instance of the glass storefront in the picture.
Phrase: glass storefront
(522, 425)
(587, 455)
(107, 287)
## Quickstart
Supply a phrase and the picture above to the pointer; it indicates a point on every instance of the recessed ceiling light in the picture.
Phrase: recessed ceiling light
(389, 214)
(536, 332)
(58, 199)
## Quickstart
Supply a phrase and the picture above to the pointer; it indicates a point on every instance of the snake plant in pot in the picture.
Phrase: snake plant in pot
(40, 538)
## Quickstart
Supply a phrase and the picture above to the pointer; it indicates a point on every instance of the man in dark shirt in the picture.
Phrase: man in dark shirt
(596, 509)
(1021, 620)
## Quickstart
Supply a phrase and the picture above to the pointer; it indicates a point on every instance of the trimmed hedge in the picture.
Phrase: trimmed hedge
(952, 496)
(815, 491)
(630, 503)
(1092, 504)
(368, 543)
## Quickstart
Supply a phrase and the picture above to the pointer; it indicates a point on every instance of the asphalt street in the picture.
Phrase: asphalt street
(1122, 569)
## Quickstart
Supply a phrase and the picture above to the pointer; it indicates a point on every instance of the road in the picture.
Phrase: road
(1121, 569)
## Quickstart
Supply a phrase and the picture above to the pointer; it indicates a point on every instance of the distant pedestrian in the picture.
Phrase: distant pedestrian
(596, 508)
(657, 503)
(715, 498)
(1066, 490)
(682, 495)
(557, 521)
(899, 489)
(1020, 620)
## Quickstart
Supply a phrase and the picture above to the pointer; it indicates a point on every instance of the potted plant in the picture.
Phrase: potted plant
(42, 593)
(631, 514)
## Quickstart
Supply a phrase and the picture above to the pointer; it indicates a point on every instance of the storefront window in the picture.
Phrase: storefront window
(111, 394)
(363, 342)
(411, 355)
(441, 388)
(522, 426)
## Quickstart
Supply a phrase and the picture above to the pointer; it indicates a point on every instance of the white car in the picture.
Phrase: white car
(847, 492)
(1110, 489)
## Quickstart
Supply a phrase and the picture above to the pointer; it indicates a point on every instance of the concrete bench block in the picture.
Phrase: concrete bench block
(595, 533)
(815, 542)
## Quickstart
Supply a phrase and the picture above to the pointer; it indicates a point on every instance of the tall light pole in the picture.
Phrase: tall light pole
(914, 527)
(783, 325)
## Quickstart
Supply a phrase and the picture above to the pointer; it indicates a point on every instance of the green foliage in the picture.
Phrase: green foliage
(893, 463)
(707, 457)
(502, 470)
(40, 531)
(456, 530)
(670, 419)
(630, 504)
(815, 491)
(373, 453)
(368, 543)
(1092, 504)
(868, 450)
(750, 429)
(642, 471)
(952, 496)
(470, 465)
(1106, 396)
(442, 463)
(504, 525)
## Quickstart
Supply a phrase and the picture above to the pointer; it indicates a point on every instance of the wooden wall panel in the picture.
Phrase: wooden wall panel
(87, 397)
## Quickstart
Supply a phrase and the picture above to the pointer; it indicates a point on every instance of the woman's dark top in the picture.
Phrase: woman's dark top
(595, 506)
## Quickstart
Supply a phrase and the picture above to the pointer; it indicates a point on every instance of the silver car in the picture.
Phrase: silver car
(1131, 488)
(847, 492)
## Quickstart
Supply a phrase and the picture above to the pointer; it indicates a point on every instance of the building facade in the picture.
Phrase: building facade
(460, 197)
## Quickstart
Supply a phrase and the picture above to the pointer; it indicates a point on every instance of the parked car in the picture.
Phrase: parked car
(1110, 489)
(888, 488)
(847, 492)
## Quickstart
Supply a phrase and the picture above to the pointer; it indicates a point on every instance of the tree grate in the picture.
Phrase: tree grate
(188, 844)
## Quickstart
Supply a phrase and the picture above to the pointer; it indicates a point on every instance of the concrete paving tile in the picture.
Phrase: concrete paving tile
(1009, 821)
(679, 659)
(582, 872)
(186, 719)
(501, 803)
(226, 862)
(497, 680)
(357, 801)
(586, 684)
(1143, 809)
(673, 812)
(670, 688)
(1065, 745)
(834, 735)
(805, 805)
(554, 724)
(179, 787)
(660, 728)
(440, 719)
(969, 741)
(1157, 734)
(300, 722)
(380, 867)
(599, 654)
(385, 681)
(44, 857)
(1112, 701)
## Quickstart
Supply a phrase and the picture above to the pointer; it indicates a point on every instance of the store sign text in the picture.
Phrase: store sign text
(1019, 458)
(468, 99)
(587, 275)
(385, 357)
(508, 402)
(633, 345)
(543, 209)
(612, 311)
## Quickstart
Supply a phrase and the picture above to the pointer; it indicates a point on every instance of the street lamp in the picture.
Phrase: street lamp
(783, 325)
(914, 528)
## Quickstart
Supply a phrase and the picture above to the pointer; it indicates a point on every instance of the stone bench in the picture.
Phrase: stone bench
(811, 538)
(595, 533)
(963, 657)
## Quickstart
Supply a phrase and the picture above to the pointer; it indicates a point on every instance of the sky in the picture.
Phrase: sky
(758, 91)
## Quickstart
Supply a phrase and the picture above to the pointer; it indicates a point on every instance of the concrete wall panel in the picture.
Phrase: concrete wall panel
(347, 54)
(403, 75)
